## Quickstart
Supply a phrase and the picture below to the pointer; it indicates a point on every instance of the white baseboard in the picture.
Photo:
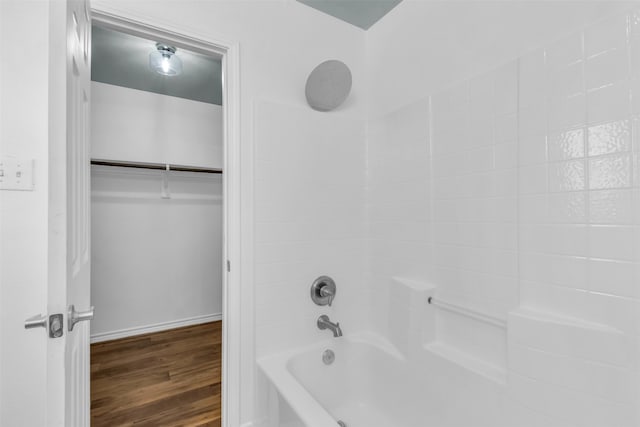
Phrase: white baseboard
(157, 327)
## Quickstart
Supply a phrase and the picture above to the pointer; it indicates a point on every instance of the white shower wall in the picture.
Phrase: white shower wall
(475, 207)
(579, 212)
(516, 193)
(309, 222)
(399, 210)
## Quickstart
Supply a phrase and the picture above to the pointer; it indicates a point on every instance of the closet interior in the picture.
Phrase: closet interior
(156, 229)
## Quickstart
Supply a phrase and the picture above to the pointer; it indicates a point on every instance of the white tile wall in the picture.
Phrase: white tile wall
(475, 209)
(309, 221)
(576, 236)
(567, 407)
(398, 204)
(523, 201)
(516, 193)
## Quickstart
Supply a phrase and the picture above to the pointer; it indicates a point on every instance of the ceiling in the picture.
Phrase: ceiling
(361, 13)
(123, 60)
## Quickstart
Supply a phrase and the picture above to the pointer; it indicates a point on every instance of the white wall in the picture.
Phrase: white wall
(280, 42)
(421, 46)
(134, 125)
(23, 215)
(521, 202)
(156, 262)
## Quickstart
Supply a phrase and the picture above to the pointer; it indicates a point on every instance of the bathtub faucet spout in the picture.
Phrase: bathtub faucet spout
(325, 323)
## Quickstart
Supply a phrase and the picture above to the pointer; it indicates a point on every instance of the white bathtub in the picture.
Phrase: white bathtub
(369, 384)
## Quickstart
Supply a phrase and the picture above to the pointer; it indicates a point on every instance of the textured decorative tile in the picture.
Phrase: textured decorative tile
(608, 138)
(567, 176)
(566, 145)
(610, 172)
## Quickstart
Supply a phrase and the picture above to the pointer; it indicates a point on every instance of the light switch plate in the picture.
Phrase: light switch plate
(16, 173)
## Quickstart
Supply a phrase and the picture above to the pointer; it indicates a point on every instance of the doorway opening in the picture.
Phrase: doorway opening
(159, 226)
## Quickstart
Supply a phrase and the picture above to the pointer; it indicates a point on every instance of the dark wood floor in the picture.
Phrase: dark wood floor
(169, 378)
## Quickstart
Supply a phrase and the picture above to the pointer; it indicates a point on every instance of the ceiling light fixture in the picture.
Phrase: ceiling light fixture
(164, 61)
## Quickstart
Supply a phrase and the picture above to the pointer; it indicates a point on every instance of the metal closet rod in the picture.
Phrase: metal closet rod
(156, 166)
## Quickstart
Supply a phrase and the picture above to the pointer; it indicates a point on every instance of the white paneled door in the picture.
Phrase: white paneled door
(68, 377)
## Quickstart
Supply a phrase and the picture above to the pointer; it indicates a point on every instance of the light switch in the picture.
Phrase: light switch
(16, 173)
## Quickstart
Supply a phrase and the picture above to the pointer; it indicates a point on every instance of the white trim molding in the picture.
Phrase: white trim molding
(156, 327)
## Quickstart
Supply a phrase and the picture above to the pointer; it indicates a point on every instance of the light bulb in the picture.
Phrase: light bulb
(165, 64)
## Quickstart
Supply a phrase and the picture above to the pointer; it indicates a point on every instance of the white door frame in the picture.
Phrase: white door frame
(231, 283)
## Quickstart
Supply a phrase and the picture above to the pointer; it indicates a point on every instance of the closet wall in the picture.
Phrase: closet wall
(156, 261)
(134, 125)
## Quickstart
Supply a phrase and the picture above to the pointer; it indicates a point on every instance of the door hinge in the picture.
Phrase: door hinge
(228, 266)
